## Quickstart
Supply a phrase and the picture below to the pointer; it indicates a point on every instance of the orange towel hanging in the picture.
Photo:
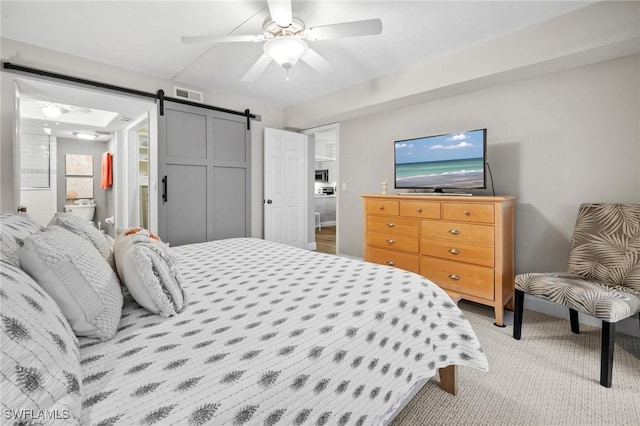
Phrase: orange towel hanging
(107, 171)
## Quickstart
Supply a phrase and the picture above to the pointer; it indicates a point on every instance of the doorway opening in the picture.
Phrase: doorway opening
(62, 133)
(324, 141)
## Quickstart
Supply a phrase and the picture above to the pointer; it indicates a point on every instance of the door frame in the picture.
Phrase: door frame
(313, 131)
(118, 137)
(303, 176)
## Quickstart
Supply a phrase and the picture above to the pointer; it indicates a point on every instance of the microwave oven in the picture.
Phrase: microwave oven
(322, 175)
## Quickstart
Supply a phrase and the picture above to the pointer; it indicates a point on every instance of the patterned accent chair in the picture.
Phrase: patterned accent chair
(603, 275)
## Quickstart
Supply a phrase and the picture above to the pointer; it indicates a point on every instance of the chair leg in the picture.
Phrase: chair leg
(606, 357)
(517, 314)
(573, 317)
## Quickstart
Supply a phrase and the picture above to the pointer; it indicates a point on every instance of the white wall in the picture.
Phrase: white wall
(36, 57)
(554, 142)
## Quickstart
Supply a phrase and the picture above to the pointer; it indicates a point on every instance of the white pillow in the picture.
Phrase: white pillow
(78, 278)
(148, 270)
(40, 359)
(13, 230)
(84, 229)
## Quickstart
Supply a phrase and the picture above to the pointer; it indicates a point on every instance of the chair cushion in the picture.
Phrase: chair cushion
(606, 244)
(604, 301)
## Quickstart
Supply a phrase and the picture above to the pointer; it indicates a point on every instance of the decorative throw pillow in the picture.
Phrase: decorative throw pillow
(149, 271)
(13, 230)
(41, 373)
(87, 231)
(78, 278)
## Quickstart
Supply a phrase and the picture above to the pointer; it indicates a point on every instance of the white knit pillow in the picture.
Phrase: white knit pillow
(148, 270)
(84, 229)
(78, 278)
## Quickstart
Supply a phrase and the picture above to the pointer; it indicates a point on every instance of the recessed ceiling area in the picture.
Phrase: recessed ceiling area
(146, 37)
(82, 111)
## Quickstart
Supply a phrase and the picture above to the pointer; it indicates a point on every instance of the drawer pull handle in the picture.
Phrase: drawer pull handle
(391, 241)
(381, 207)
(454, 231)
(391, 224)
(391, 262)
(466, 212)
(419, 209)
(454, 251)
(454, 276)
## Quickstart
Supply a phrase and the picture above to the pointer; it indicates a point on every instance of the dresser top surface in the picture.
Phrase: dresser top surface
(446, 197)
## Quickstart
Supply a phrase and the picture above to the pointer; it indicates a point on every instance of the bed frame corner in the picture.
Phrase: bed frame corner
(449, 379)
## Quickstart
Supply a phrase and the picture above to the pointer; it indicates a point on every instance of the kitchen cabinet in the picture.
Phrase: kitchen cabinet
(331, 166)
(326, 206)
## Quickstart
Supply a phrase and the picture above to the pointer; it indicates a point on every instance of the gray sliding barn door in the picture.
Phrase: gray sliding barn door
(205, 170)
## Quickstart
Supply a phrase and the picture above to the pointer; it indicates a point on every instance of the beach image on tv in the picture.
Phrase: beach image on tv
(448, 161)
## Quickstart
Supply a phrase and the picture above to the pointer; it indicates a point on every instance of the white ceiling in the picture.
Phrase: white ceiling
(145, 36)
(93, 112)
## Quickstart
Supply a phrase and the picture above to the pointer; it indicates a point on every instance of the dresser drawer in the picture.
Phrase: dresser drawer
(406, 261)
(422, 209)
(460, 277)
(457, 251)
(395, 242)
(469, 212)
(385, 207)
(395, 225)
(463, 232)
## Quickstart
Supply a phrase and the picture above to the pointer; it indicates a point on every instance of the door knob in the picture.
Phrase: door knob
(269, 202)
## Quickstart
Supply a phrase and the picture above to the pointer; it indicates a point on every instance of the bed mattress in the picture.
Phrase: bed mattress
(276, 335)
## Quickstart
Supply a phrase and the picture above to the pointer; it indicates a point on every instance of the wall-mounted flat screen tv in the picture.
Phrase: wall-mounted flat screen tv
(451, 161)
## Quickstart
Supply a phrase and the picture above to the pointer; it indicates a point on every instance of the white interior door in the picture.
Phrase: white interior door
(285, 187)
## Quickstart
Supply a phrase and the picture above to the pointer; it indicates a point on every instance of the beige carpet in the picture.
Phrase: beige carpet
(550, 377)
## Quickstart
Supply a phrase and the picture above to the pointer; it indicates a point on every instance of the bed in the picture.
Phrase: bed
(270, 335)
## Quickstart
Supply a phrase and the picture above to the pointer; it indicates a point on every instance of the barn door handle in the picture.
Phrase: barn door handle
(165, 195)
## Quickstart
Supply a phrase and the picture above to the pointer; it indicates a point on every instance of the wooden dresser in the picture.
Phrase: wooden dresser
(463, 244)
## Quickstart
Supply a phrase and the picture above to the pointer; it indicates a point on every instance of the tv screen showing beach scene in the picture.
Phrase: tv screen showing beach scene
(454, 161)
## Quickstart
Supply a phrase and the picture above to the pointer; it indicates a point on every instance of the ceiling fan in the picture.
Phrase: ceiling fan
(55, 109)
(284, 38)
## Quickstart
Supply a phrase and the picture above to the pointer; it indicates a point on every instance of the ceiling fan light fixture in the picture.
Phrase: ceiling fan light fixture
(285, 50)
(51, 111)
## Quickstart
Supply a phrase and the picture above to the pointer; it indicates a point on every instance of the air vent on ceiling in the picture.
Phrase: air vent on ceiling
(188, 94)
(125, 119)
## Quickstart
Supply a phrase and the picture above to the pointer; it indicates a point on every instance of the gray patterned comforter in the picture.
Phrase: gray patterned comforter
(276, 335)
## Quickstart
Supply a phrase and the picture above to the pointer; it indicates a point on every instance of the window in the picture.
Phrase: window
(35, 161)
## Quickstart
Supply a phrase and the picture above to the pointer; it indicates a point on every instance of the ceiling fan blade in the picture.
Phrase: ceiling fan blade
(280, 11)
(317, 62)
(345, 29)
(257, 69)
(221, 39)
